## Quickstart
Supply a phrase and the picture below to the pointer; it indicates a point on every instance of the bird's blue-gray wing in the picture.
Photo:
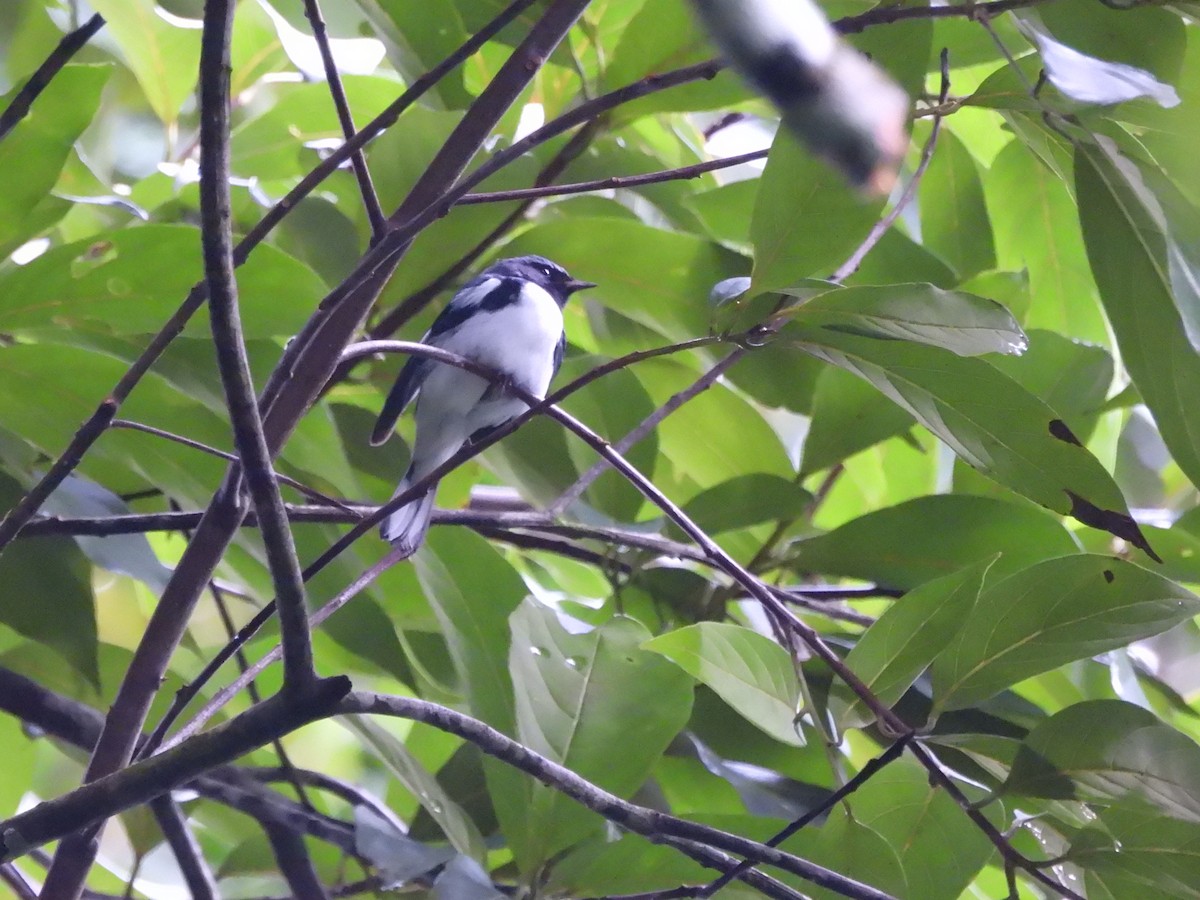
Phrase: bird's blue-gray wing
(406, 387)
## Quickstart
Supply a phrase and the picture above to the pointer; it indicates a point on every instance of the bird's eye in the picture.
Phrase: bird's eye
(546, 270)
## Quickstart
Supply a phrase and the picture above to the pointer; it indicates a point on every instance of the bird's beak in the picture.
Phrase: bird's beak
(576, 285)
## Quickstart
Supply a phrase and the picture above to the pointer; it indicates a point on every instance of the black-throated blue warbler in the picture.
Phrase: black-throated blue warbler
(509, 318)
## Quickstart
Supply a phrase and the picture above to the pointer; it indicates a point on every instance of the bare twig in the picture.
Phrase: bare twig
(197, 874)
(70, 44)
(312, 9)
(850, 266)
(294, 863)
(613, 182)
(299, 486)
(230, 343)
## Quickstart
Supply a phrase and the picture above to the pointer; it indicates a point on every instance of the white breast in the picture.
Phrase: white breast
(518, 339)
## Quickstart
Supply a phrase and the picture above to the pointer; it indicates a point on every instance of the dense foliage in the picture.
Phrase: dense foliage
(950, 438)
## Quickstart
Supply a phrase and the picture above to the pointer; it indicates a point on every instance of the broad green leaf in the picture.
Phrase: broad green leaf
(1136, 851)
(844, 844)
(922, 539)
(458, 828)
(1127, 248)
(473, 590)
(806, 223)
(272, 144)
(939, 850)
(1104, 750)
(897, 258)
(750, 672)
(991, 422)
(418, 37)
(1037, 229)
(46, 594)
(895, 650)
(627, 865)
(921, 313)
(1052, 613)
(743, 441)
(848, 415)
(163, 56)
(747, 500)
(20, 754)
(660, 279)
(33, 154)
(594, 702)
(954, 218)
(1072, 377)
(133, 279)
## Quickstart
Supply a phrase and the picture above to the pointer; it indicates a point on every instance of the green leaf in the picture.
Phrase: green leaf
(33, 154)
(1127, 248)
(458, 569)
(940, 851)
(750, 672)
(594, 702)
(133, 279)
(1037, 229)
(659, 279)
(1073, 378)
(163, 57)
(848, 415)
(805, 223)
(747, 500)
(1135, 851)
(954, 217)
(894, 651)
(458, 828)
(1052, 613)
(46, 594)
(736, 439)
(1102, 751)
(991, 422)
(921, 313)
(929, 537)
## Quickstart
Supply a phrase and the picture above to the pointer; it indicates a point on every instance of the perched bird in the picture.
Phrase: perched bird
(510, 319)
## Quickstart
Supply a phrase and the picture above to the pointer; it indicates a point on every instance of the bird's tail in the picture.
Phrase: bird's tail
(405, 528)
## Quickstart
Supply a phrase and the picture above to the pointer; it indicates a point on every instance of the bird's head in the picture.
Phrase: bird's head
(543, 272)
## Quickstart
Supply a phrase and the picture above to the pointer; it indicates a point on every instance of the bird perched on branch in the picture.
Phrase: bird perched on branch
(509, 319)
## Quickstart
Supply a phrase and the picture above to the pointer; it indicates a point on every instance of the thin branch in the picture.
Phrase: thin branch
(228, 457)
(641, 820)
(72, 43)
(850, 266)
(197, 874)
(294, 863)
(312, 9)
(1012, 857)
(889, 15)
(232, 361)
(892, 753)
(21, 888)
(643, 428)
(613, 182)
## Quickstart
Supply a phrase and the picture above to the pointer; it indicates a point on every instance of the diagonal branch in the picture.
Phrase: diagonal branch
(312, 9)
(18, 108)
